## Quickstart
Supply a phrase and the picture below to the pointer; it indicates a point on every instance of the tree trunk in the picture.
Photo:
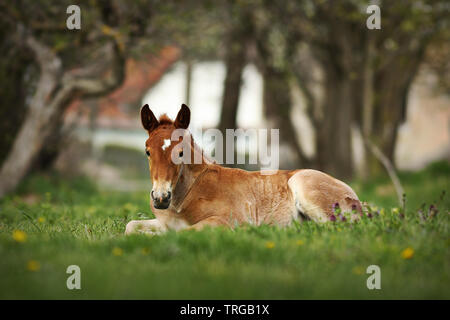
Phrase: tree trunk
(277, 109)
(13, 68)
(187, 95)
(33, 132)
(333, 143)
(235, 62)
(51, 147)
(30, 136)
(392, 85)
(55, 90)
(371, 166)
(230, 100)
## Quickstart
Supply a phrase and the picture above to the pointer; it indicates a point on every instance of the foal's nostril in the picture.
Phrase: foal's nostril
(161, 200)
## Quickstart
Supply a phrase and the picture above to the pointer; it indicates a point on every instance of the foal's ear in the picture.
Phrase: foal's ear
(183, 117)
(148, 119)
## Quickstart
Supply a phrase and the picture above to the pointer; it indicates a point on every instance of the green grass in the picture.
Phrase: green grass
(71, 222)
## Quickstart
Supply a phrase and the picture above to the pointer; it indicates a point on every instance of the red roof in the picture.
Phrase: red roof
(120, 107)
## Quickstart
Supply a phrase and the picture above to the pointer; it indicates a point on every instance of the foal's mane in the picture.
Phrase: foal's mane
(164, 119)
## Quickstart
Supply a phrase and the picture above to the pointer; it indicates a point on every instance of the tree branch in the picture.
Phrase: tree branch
(389, 168)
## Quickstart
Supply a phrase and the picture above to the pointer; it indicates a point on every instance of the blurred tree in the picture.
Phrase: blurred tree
(274, 50)
(238, 33)
(15, 71)
(348, 75)
(396, 54)
(69, 64)
(329, 37)
(352, 75)
(437, 60)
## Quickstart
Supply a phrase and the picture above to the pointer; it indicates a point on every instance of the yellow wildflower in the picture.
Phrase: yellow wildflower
(299, 242)
(41, 219)
(358, 270)
(19, 236)
(130, 207)
(270, 245)
(33, 265)
(408, 253)
(145, 251)
(117, 251)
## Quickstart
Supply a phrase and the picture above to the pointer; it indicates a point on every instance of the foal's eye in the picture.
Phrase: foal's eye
(180, 154)
(147, 152)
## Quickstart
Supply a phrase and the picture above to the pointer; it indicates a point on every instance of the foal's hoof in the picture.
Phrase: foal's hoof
(131, 227)
(136, 227)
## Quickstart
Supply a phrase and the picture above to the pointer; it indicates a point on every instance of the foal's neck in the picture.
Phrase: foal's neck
(189, 175)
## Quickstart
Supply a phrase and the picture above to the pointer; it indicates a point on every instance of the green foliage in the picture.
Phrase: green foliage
(71, 222)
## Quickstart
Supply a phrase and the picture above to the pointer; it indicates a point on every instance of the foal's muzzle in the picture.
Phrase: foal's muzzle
(161, 200)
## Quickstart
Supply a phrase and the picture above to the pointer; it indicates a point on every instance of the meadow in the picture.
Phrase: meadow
(52, 222)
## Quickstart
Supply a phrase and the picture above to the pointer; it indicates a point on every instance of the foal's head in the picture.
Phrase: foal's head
(160, 150)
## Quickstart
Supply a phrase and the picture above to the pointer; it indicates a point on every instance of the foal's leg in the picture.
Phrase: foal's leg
(208, 222)
(152, 226)
(315, 193)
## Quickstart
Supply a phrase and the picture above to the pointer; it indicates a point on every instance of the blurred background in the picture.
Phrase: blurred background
(70, 99)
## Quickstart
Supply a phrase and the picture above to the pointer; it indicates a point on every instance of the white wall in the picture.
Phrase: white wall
(206, 94)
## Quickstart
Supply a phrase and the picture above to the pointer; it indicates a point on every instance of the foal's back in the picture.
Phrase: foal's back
(237, 196)
(240, 196)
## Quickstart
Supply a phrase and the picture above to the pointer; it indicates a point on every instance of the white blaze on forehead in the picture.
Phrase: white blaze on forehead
(166, 144)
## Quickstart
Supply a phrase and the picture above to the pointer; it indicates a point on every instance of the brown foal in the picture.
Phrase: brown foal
(192, 196)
